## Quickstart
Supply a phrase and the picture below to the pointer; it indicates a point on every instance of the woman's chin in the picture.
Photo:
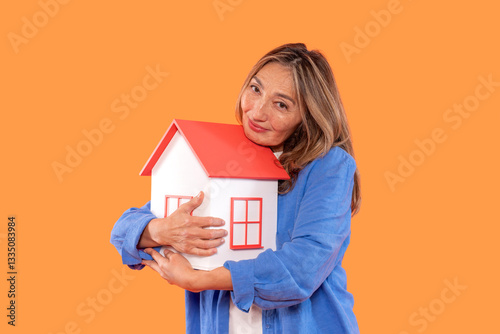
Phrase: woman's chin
(257, 140)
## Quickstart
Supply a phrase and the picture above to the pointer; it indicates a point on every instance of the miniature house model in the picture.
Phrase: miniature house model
(239, 179)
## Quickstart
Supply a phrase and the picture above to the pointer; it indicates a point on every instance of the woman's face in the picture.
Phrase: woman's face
(270, 109)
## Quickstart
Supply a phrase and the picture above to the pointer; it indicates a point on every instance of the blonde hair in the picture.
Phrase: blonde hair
(324, 122)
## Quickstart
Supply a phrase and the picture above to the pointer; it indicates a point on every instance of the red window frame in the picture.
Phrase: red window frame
(246, 222)
(178, 201)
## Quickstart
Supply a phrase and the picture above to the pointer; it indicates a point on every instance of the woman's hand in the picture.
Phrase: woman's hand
(175, 269)
(185, 233)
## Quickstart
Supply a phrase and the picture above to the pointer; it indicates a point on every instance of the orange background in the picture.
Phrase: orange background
(440, 224)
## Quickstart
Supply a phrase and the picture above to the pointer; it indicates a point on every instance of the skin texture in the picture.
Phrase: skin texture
(270, 115)
(185, 233)
(175, 269)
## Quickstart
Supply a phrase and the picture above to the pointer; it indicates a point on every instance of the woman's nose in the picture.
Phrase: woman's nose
(260, 111)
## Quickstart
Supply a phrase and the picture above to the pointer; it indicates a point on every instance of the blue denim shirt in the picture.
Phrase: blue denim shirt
(301, 287)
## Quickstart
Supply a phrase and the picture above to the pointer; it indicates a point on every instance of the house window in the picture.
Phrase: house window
(173, 202)
(246, 223)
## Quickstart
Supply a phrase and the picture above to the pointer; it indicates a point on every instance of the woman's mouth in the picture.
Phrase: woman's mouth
(255, 127)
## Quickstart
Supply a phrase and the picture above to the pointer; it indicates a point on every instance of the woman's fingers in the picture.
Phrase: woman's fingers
(207, 233)
(202, 251)
(193, 203)
(154, 254)
(200, 221)
(190, 234)
(202, 242)
(207, 244)
(155, 263)
(152, 264)
(159, 261)
(167, 253)
(205, 247)
(206, 221)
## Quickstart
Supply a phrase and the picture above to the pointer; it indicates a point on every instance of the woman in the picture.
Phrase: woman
(289, 102)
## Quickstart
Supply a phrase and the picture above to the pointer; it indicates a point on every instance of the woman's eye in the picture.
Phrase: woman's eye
(281, 105)
(255, 88)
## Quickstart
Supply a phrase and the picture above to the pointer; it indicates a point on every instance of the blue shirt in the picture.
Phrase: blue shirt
(301, 287)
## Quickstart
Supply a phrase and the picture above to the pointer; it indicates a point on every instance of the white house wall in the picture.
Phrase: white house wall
(220, 206)
(178, 172)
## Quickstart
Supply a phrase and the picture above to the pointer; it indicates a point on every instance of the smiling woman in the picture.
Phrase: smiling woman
(269, 112)
(290, 103)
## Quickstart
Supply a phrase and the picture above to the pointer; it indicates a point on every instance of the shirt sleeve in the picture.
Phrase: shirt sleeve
(127, 232)
(290, 275)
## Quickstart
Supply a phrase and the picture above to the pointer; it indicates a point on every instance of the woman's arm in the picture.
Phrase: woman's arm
(127, 231)
(290, 275)
(139, 228)
(318, 239)
(177, 270)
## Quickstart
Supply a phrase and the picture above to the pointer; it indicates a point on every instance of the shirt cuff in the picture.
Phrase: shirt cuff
(242, 276)
(130, 253)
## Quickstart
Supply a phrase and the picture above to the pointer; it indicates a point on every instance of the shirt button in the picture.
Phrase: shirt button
(268, 326)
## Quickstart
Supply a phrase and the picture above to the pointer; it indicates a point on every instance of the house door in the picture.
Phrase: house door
(246, 223)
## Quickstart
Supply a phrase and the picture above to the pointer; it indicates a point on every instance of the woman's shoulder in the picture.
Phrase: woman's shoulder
(337, 158)
(336, 164)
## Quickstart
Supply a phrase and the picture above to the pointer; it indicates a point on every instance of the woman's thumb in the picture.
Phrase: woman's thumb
(194, 202)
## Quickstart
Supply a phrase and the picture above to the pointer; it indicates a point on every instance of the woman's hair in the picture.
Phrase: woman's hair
(324, 122)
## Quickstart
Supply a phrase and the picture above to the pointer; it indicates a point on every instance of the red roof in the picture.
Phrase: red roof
(223, 150)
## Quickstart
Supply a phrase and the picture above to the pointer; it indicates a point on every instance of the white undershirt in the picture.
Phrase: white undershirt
(246, 323)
